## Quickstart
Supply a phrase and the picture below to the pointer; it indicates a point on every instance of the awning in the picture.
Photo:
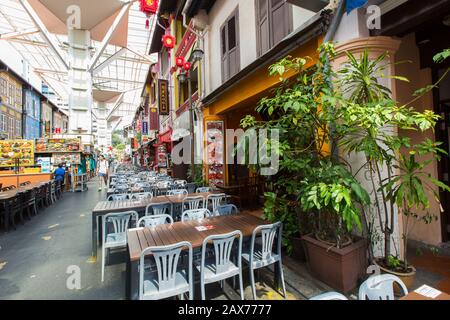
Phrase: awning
(165, 137)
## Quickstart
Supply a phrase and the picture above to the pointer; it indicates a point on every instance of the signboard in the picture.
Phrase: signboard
(215, 152)
(45, 163)
(72, 158)
(10, 150)
(58, 145)
(164, 108)
(145, 128)
(154, 121)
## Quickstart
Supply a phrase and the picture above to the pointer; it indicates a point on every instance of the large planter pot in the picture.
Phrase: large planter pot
(339, 268)
(298, 250)
(407, 278)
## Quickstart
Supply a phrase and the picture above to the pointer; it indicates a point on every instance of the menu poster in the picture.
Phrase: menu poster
(45, 164)
(10, 150)
(72, 158)
(215, 145)
(58, 145)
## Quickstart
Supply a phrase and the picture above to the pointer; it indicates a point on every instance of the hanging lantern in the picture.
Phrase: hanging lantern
(149, 7)
(168, 41)
(180, 62)
(187, 66)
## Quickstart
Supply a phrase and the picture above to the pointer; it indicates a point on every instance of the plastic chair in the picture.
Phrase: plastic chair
(226, 210)
(120, 222)
(203, 190)
(158, 209)
(380, 287)
(118, 197)
(154, 220)
(177, 192)
(192, 203)
(197, 214)
(260, 256)
(142, 195)
(180, 183)
(329, 296)
(169, 280)
(221, 267)
(216, 200)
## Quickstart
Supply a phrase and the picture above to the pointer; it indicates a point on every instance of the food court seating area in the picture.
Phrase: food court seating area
(18, 205)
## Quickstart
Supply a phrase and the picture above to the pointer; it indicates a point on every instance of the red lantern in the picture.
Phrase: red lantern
(187, 66)
(180, 62)
(149, 7)
(168, 41)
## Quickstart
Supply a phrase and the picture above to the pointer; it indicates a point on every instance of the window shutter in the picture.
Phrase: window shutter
(229, 37)
(279, 20)
(224, 52)
(263, 26)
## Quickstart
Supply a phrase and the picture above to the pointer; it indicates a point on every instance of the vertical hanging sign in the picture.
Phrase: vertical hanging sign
(163, 97)
(154, 121)
(144, 128)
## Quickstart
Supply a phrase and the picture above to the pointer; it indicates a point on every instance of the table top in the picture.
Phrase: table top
(103, 207)
(416, 296)
(6, 195)
(141, 238)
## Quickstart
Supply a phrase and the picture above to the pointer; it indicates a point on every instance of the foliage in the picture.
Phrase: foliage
(199, 177)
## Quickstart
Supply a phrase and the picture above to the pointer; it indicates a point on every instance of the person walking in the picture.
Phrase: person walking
(102, 171)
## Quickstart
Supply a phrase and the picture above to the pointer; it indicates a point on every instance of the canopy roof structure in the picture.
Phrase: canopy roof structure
(37, 29)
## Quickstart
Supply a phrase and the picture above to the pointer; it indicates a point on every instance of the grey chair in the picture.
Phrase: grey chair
(118, 197)
(169, 279)
(380, 287)
(197, 214)
(262, 254)
(329, 296)
(177, 192)
(226, 210)
(159, 208)
(121, 188)
(180, 183)
(215, 200)
(114, 232)
(142, 195)
(154, 220)
(192, 203)
(203, 190)
(221, 266)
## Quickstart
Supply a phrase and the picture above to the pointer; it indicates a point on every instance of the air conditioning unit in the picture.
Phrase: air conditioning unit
(311, 5)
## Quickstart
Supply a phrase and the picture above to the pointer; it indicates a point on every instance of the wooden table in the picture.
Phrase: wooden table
(105, 207)
(416, 296)
(141, 238)
(8, 195)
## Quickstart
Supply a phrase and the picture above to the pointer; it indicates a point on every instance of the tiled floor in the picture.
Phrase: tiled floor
(432, 269)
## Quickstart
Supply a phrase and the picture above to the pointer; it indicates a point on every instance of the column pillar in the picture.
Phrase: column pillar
(80, 85)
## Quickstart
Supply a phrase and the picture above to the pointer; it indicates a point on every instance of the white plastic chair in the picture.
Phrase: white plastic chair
(226, 210)
(221, 267)
(329, 296)
(118, 197)
(142, 195)
(203, 190)
(180, 183)
(158, 209)
(155, 220)
(380, 287)
(177, 192)
(192, 203)
(197, 214)
(215, 200)
(168, 280)
(263, 255)
(120, 222)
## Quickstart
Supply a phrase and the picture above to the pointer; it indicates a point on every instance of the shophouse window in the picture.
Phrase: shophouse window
(18, 128)
(11, 128)
(11, 94)
(229, 38)
(3, 124)
(3, 87)
(273, 23)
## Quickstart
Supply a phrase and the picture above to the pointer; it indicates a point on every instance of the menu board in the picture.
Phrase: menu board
(10, 150)
(72, 158)
(58, 145)
(215, 151)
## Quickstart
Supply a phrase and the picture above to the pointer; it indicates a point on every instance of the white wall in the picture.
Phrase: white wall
(247, 35)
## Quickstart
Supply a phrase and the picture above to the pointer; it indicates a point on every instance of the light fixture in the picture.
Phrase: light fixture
(182, 77)
(197, 55)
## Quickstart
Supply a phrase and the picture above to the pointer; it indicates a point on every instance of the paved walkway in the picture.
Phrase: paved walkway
(35, 258)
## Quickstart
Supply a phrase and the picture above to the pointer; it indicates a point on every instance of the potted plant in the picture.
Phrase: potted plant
(395, 173)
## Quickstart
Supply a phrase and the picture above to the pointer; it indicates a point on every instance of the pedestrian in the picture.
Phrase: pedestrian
(102, 170)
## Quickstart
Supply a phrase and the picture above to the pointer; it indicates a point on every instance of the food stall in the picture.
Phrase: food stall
(17, 163)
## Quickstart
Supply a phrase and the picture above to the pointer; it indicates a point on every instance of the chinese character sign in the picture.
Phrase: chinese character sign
(163, 97)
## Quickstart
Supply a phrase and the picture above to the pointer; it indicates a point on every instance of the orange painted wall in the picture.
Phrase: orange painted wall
(11, 180)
